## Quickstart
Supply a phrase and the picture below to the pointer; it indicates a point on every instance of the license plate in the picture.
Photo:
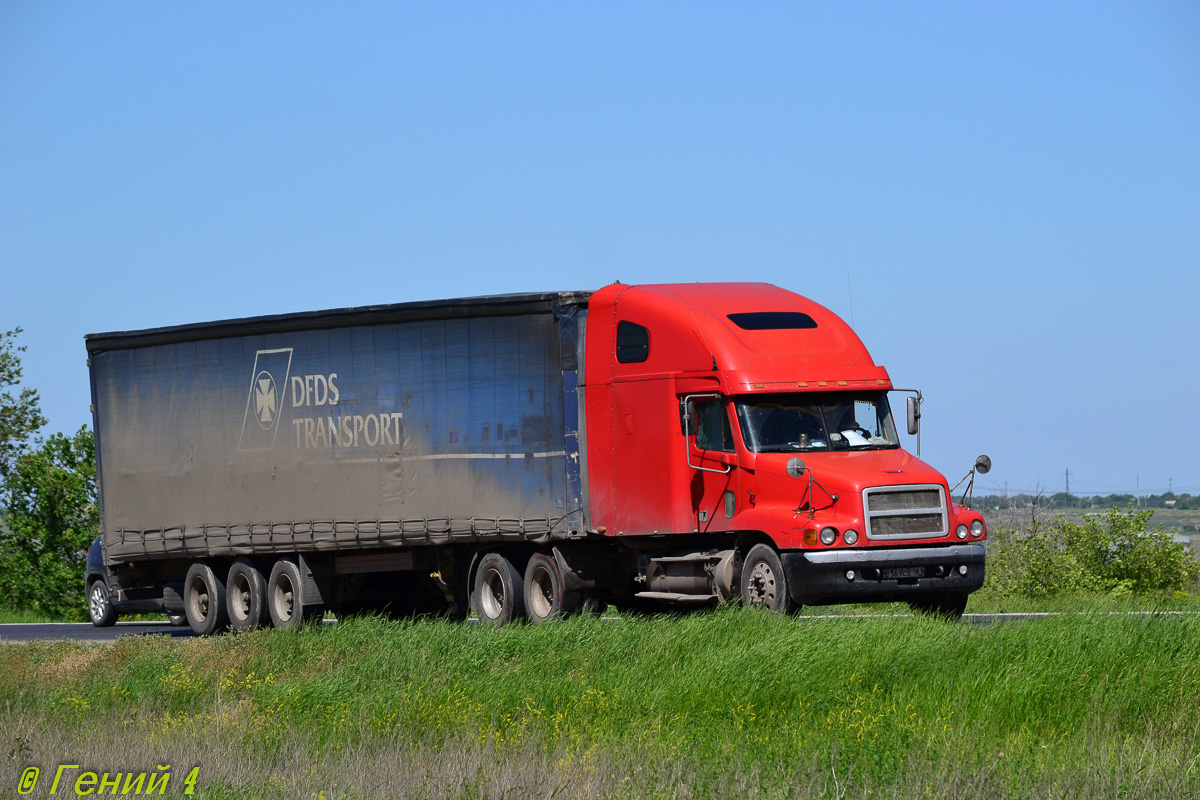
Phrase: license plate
(904, 572)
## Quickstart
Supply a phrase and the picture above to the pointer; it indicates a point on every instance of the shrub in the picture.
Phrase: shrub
(49, 520)
(1115, 553)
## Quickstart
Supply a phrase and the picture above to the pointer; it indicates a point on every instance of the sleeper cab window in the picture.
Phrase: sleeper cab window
(633, 343)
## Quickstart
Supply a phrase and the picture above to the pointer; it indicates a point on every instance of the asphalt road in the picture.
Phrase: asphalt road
(86, 632)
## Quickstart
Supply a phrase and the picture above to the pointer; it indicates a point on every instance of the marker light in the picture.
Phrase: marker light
(849, 574)
(828, 535)
(962, 531)
(962, 570)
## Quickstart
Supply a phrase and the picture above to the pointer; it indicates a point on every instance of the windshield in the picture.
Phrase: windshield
(807, 422)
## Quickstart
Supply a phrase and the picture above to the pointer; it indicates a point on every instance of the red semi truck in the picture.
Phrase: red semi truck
(520, 456)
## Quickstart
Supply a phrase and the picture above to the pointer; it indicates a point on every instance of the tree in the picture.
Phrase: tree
(20, 415)
(51, 516)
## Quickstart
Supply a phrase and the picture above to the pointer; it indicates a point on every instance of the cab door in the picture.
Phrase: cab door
(712, 459)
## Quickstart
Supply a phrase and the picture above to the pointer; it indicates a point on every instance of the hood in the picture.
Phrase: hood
(849, 472)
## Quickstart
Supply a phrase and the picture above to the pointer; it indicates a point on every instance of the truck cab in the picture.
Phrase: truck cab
(527, 455)
(749, 419)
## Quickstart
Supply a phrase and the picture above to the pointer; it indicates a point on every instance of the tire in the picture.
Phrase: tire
(763, 584)
(499, 596)
(545, 596)
(99, 604)
(285, 597)
(949, 607)
(204, 600)
(592, 604)
(246, 596)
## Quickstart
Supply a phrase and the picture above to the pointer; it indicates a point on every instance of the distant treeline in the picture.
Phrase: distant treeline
(1064, 500)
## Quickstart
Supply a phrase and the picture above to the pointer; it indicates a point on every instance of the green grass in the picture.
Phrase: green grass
(711, 704)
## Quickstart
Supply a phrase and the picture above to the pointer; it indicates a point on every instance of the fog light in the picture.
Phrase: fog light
(828, 535)
(977, 528)
(850, 536)
(962, 531)
(962, 570)
(849, 574)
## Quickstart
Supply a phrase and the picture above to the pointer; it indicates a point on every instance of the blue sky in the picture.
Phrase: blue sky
(1005, 198)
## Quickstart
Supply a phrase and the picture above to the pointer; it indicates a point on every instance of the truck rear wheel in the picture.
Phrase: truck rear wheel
(545, 595)
(763, 583)
(285, 597)
(499, 595)
(204, 600)
(246, 593)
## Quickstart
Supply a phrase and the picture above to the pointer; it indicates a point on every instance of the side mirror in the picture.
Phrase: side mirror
(983, 465)
(795, 467)
(914, 417)
(687, 418)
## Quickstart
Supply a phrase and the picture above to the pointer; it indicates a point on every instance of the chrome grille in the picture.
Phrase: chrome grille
(905, 512)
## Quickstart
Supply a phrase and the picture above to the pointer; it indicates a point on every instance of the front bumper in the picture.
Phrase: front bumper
(882, 574)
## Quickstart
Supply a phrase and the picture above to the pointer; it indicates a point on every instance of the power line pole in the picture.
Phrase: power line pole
(1068, 474)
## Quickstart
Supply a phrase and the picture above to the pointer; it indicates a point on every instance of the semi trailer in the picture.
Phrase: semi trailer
(518, 456)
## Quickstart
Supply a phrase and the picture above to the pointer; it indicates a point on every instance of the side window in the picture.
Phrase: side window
(633, 343)
(713, 431)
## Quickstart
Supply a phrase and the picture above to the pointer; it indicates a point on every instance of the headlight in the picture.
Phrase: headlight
(962, 531)
(850, 536)
(977, 528)
(828, 535)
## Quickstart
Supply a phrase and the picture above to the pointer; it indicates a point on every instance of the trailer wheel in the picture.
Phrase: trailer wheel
(545, 597)
(949, 607)
(204, 600)
(285, 597)
(100, 607)
(246, 594)
(499, 595)
(763, 583)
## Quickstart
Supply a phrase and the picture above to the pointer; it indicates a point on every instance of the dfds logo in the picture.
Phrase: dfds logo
(264, 400)
(265, 405)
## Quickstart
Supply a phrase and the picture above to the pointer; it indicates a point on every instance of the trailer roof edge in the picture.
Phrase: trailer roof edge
(488, 306)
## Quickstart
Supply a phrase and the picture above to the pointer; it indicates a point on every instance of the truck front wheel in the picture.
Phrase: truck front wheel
(499, 595)
(763, 583)
(949, 607)
(204, 600)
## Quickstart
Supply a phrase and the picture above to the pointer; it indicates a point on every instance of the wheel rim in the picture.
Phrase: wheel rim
(98, 601)
(198, 599)
(492, 591)
(285, 599)
(241, 598)
(541, 595)
(762, 585)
